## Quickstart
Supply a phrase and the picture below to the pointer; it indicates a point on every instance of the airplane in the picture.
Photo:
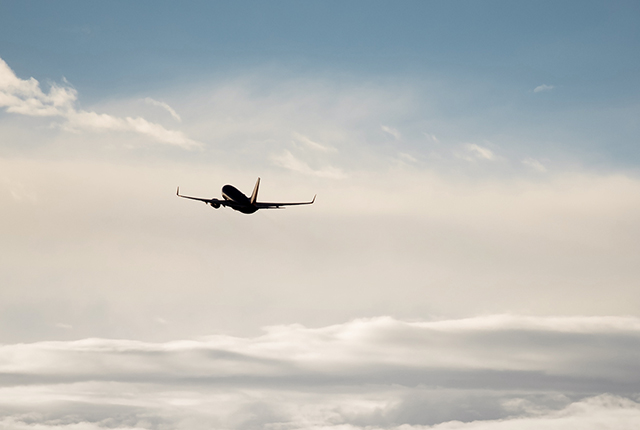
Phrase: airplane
(236, 200)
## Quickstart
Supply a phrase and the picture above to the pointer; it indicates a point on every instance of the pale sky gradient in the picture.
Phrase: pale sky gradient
(471, 261)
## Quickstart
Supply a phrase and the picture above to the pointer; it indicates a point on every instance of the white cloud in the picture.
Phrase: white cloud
(287, 160)
(25, 97)
(312, 144)
(407, 157)
(164, 106)
(601, 412)
(64, 326)
(381, 349)
(91, 121)
(485, 373)
(432, 137)
(136, 407)
(543, 87)
(391, 131)
(478, 152)
(534, 164)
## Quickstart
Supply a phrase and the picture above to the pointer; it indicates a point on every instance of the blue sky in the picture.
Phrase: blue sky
(470, 262)
(491, 54)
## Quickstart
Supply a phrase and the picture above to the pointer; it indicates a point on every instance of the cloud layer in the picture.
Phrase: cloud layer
(492, 372)
(577, 353)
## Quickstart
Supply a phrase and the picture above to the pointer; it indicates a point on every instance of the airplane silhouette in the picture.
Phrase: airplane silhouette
(236, 200)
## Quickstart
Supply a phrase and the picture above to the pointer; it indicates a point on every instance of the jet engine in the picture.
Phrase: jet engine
(215, 205)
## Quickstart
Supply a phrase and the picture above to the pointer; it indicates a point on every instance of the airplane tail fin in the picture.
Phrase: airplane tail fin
(254, 195)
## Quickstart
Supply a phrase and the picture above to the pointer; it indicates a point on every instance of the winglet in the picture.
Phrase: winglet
(178, 191)
(314, 199)
(254, 195)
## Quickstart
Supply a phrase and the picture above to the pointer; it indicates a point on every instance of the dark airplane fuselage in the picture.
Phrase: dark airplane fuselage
(229, 192)
(234, 199)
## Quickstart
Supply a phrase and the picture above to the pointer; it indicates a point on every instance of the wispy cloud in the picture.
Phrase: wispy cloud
(477, 152)
(407, 157)
(312, 144)
(64, 326)
(21, 194)
(391, 131)
(92, 121)
(164, 106)
(25, 97)
(432, 137)
(543, 87)
(287, 160)
(534, 164)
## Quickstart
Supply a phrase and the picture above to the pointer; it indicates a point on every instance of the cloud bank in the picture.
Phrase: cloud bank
(492, 372)
(25, 97)
(581, 353)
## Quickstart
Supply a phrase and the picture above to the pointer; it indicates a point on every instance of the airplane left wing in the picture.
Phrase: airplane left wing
(212, 202)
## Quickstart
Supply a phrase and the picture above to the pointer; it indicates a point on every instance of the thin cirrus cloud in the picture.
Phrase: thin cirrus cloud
(534, 164)
(475, 152)
(542, 88)
(25, 97)
(474, 374)
(391, 131)
(289, 161)
(431, 137)
(311, 144)
(165, 106)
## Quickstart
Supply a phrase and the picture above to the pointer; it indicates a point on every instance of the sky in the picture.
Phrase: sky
(470, 261)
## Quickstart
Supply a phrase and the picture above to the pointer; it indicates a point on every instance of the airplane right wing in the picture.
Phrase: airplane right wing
(272, 205)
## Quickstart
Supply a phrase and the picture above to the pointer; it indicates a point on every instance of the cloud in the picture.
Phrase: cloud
(287, 160)
(403, 156)
(164, 106)
(543, 87)
(478, 152)
(492, 372)
(102, 407)
(25, 97)
(431, 137)
(311, 144)
(534, 164)
(581, 353)
(91, 121)
(391, 131)
(599, 412)
(64, 326)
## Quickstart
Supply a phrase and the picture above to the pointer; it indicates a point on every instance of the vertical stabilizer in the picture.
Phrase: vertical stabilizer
(254, 195)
